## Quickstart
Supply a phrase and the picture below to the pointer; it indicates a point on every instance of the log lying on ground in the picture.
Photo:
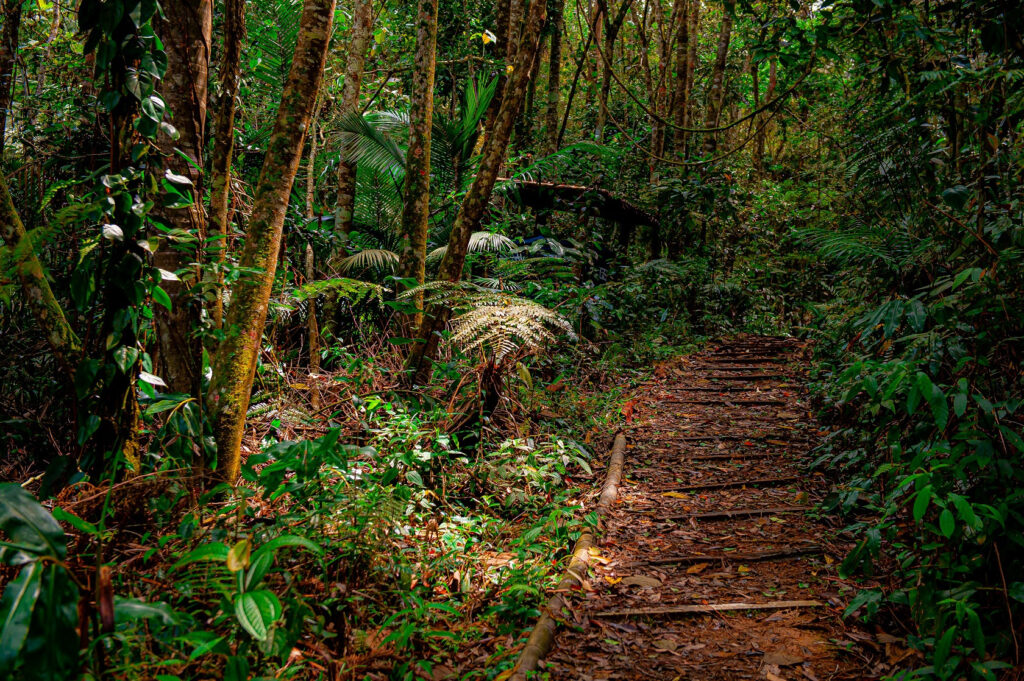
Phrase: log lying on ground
(568, 197)
(543, 634)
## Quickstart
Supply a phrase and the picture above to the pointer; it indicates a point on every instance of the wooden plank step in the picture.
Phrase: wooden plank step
(738, 513)
(729, 484)
(724, 400)
(732, 557)
(708, 608)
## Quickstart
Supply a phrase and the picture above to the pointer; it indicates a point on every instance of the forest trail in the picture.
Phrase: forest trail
(711, 513)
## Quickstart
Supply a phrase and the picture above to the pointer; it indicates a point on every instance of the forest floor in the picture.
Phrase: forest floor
(715, 510)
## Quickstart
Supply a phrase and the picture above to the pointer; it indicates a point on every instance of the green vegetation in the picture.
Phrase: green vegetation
(310, 375)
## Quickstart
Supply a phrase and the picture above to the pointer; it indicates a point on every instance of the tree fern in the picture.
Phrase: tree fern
(494, 322)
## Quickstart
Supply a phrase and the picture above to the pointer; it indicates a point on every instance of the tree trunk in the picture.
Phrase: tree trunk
(362, 24)
(716, 93)
(475, 202)
(11, 13)
(681, 96)
(692, 18)
(224, 143)
(761, 133)
(40, 299)
(311, 322)
(412, 262)
(611, 33)
(557, 22)
(235, 362)
(186, 32)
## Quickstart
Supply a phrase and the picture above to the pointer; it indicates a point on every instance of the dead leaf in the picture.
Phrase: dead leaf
(781, 659)
(697, 568)
(641, 581)
(666, 644)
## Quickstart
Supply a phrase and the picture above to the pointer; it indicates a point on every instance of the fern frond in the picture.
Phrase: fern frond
(493, 321)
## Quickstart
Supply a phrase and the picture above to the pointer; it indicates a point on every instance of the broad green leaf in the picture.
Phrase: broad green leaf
(216, 552)
(273, 545)
(17, 604)
(28, 524)
(133, 609)
(947, 523)
(257, 611)
(921, 502)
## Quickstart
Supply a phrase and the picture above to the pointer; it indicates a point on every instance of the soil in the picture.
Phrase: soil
(695, 449)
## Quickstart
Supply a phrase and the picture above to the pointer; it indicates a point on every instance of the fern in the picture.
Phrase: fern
(495, 322)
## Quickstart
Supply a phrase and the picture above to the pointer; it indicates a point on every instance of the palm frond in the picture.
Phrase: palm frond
(365, 140)
(368, 259)
(479, 242)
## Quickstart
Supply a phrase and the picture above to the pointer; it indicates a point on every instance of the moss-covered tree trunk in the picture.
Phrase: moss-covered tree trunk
(29, 270)
(557, 23)
(416, 206)
(716, 90)
(10, 15)
(224, 142)
(186, 32)
(475, 202)
(235, 361)
(359, 40)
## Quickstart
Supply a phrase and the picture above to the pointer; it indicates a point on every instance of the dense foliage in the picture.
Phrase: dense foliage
(281, 407)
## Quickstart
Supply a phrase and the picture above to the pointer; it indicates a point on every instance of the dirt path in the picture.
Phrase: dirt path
(712, 512)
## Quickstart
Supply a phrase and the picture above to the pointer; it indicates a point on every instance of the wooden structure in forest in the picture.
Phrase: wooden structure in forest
(568, 197)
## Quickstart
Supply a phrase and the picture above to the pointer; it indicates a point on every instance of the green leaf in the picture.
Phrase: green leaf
(28, 524)
(921, 502)
(947, 524)
(273, 545)
(1016, 591)
(239, 556)
(133, 609)
(960, 404)
(414, 477)
(257, 611)
(75, 522)
(966, 511)
(17, 604)
(160, 296)
(216, 553)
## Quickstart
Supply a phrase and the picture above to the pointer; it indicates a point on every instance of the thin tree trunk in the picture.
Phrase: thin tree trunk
(681, 96)
(475, 202)
(311, 322)
(762, 132)
(235, 362)
(40, 299)
(362, 25)
(692, 18)
(187, 34)
(557, 22)
(611, 33)
(716, 92)
(412, 262)
(224, 143)
(11, 13)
